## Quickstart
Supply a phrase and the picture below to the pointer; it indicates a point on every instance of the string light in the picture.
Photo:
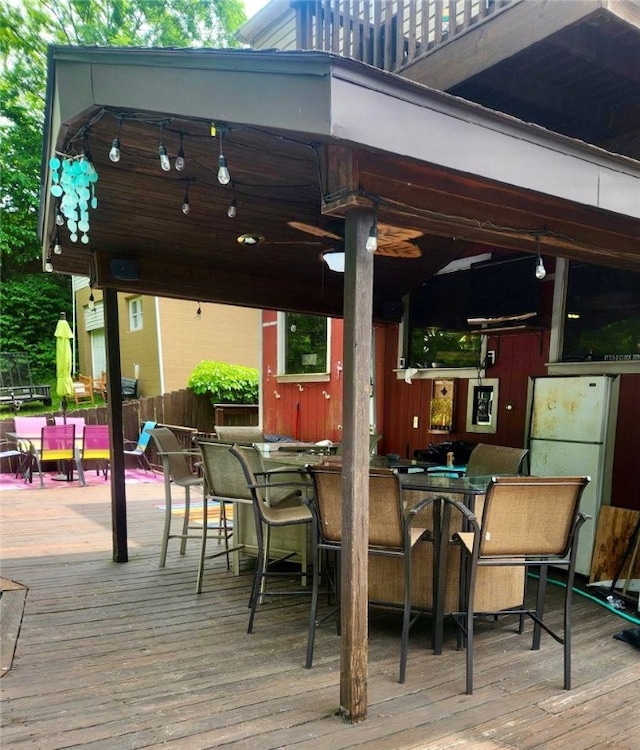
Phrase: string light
(180, 163)
(48, 266)
(57, 249)
(92, 301)
(541, 271)
(199, 311)
(232, 211)
(186, 206)
(114, 153)
(224, 178)
(162, 152)
(372, 240)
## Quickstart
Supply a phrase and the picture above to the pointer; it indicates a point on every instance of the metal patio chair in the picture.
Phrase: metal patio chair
(393, 532)
(138, 448)
(531, 522)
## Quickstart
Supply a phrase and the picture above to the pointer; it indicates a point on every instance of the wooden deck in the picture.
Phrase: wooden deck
(124, 656)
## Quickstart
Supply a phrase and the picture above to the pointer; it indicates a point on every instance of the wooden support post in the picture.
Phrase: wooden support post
(358, 292)
(116, 435)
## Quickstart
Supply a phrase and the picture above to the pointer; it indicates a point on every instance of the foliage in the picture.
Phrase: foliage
(28, 327)
(306, 343)
(225, 383)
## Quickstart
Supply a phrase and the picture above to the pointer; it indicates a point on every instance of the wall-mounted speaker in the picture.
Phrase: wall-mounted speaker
(125, 269)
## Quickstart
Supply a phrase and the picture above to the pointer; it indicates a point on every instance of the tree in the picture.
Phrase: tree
(26, 28)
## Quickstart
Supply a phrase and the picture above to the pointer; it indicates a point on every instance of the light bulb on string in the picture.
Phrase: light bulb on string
(186, 206)
(92, 302)
(59, 217)
(162, 152)
(57, 248)
(48, 266)
(541, 271)
(371, 244)
(224, 178)
(114, 153)
(232, 211)
(179, 162)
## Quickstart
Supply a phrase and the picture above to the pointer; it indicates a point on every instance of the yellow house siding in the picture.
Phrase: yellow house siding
(139, 347)
(220, 332)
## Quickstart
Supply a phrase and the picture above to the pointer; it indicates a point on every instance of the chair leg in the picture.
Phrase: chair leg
(406, 616)
(540, 600)
(315, 586)
(258, 576)
(568, 597)
(471, 585)
(203, 545)
(167, 520)
(185, 522)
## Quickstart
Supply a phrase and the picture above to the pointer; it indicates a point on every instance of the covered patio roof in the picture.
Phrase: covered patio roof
(330, 145)
(307, 137)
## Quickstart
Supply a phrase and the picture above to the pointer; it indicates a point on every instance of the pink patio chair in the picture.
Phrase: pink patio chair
(96, 446)
(57, 443)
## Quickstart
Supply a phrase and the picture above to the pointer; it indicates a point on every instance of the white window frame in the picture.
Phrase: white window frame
(321, 376)
(136, 320)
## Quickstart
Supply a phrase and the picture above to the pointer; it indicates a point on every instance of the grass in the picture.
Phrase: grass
(35, 408)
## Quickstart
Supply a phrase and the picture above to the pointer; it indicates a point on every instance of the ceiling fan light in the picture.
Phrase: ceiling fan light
(250, 239)
(334, 259)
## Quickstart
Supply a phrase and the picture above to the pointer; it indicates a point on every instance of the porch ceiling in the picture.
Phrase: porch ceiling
(308, 137)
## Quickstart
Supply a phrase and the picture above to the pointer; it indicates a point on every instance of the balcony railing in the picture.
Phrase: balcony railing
(388, 34)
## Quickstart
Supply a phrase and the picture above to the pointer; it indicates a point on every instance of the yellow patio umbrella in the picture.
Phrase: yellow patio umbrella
(64, 384)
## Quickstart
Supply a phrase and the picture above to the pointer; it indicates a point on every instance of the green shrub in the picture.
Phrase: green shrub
(225, 383)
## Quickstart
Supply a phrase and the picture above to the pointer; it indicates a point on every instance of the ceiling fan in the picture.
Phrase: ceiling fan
(393, 242)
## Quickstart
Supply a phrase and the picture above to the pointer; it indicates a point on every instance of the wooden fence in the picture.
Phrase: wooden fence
(185, 412)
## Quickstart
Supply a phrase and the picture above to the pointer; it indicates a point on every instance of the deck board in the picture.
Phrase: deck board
(127, 656)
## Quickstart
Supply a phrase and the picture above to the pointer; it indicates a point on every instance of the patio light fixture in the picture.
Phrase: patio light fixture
(114, 153)
(162, 152)
(186, 206)
(48, 266)
(334, 259)
(250, 239)
(541, 271)
(179, 162)
(224, 178)
(57, 248)
(232, 211)
(372, 240)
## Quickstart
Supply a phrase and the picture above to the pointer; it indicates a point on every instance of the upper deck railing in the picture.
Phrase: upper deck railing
(388, 34)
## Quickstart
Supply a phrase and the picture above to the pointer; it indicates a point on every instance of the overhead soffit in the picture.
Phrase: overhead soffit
(278, 149)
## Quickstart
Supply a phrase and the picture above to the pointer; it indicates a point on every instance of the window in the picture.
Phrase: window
(304, 342)
(135, 314)
(602, 315)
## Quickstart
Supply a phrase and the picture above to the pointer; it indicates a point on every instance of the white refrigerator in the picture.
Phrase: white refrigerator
(572, 426)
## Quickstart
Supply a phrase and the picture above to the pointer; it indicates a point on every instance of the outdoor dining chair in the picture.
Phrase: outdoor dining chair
(486, 460)
(176, 462)
(225, 485)
(96, 446)
(531, 522)
(138, 448)
(57, 443)
(393, 532)
(269, 517)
